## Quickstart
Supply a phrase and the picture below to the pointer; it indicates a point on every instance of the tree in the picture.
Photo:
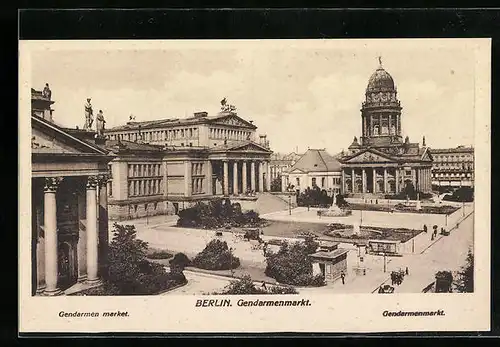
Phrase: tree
(465, 280)
(216, 256)
(292, 265)
(276, 185)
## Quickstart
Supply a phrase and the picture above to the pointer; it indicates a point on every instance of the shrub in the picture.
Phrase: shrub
(130, 273)
(282, 290)
(462, 194)
(291, 264)
(159, 255)
(245, 286)
(216, 214)
(216, 256)
(180, 260)
(465, 280)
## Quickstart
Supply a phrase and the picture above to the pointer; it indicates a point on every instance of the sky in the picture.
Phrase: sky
(301, 95)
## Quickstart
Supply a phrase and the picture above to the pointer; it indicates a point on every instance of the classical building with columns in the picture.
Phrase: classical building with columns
(381, 162)
(69, 204)
(163, 166)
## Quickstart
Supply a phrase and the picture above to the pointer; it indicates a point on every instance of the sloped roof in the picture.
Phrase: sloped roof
(316, 160)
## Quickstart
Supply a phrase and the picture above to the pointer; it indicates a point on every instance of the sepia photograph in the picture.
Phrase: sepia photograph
(240, 174)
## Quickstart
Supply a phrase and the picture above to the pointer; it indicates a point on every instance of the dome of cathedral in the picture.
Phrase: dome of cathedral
(380, 81)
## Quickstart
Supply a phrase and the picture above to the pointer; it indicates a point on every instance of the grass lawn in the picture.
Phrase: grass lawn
(291, 229)
(384, 208)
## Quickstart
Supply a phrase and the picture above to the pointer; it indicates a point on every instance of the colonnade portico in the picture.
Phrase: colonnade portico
(241, 176)
(384, 180)
(89, 272)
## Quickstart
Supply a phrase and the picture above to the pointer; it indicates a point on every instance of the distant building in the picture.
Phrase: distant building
(281, 162)
(164, 165)
(381, 162)
(453, 167)
(314, 168)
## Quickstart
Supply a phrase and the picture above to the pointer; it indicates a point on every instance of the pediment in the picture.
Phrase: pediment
(48, 138)
(369, 157)
(297, 171)
(250, 147)
(233, 120)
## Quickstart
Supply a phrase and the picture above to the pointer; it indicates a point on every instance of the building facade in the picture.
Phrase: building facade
(279, 163)
(69, 204)
(316, 168)
(381, 162)
(453, 167)
(160, 167)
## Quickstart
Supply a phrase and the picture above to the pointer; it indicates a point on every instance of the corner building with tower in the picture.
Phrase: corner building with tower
(381, 162)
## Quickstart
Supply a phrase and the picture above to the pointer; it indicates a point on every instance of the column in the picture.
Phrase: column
(343, 182)
(188, 178)
(103, 225)
(209, 178)
(244, 177)
(252, 176)
(390, 123)
(268, 176)
(374, 181)
(397, 180)
(353, 179)
(165, 178)
(235, 178)
(363, 172)
(50, 233)
(414, 177)
(364, 126)
(385, 181)
(226, 178)
(283, 183)
(260, 177)
(370, 130)
(92, 234)
(82, 236)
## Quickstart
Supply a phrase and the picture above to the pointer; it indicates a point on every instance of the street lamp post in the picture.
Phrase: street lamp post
(385, 263)
(231, 261)
(146, 207)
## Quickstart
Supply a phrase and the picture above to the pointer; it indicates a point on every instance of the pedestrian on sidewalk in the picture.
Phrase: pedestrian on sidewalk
(407, 272)
(432, 237)
(342, 276)
(425, 228)
(263, 286)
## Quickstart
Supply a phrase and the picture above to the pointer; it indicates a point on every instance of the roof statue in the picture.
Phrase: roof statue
(89, 113)
(100, 121)
(423, 141)
(225, 107)
(380, 60)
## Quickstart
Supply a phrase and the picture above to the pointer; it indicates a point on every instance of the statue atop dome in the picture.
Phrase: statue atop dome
(380, 61)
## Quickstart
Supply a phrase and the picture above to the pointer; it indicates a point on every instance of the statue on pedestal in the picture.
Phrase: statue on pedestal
(100, 124)
(89, 119)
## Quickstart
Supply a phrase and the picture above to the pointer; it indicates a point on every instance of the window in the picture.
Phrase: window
(313, 181)
(190, 144)
(298, 181)
(408, 172)
(322, 182)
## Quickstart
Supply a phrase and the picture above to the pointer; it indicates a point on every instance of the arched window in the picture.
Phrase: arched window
(376, 130)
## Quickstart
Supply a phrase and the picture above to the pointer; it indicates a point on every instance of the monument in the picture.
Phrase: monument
(334, 210)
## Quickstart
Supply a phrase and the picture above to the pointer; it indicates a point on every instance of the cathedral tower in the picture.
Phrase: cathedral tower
(381, 111)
